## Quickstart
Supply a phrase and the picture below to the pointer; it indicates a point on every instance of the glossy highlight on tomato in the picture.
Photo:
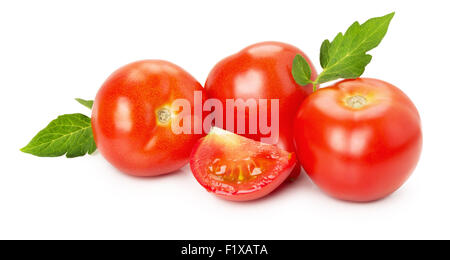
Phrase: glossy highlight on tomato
(358, 140)
(237, 168)
(261, 71)
(133, 113)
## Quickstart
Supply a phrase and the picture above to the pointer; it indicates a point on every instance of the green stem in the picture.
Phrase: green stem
(314, 86)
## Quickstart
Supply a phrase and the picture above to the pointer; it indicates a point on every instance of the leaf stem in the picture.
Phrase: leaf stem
(314, 86)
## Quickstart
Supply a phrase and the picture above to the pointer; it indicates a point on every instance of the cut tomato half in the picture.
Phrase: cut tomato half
(237, 168)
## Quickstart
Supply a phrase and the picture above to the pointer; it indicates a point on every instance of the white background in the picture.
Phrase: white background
(54, 51)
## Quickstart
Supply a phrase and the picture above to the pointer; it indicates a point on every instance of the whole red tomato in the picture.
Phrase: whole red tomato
(261, 71)
(358, 140)
(133, 114)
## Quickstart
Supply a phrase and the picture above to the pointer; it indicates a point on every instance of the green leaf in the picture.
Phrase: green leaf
(352, 68)
(347, 56)
(86, 103)
(301, 71)
(324, 55)
(69, 134)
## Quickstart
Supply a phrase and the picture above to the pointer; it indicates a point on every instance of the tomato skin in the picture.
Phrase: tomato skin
(262, 71)
(235, 156)
(125, 120)
(358, 154)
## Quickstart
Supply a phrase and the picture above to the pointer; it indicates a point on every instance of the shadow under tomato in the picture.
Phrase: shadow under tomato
(391, 196)
(349, 202)
(148, 178)
(301, 183)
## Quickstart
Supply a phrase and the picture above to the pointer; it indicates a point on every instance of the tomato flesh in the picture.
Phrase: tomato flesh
(358, 140)
(237, 168)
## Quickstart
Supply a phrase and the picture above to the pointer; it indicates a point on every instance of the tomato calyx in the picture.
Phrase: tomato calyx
(346, 55)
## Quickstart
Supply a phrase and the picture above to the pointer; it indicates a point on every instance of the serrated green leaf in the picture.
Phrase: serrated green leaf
(69, 134)
(86, 103)
(301, 71)
(347, 56)
(354, 68)
(373, 32)
(324, 55)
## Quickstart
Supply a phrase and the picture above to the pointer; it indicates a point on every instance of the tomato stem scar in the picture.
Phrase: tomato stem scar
(163, 115)
(356, 101)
